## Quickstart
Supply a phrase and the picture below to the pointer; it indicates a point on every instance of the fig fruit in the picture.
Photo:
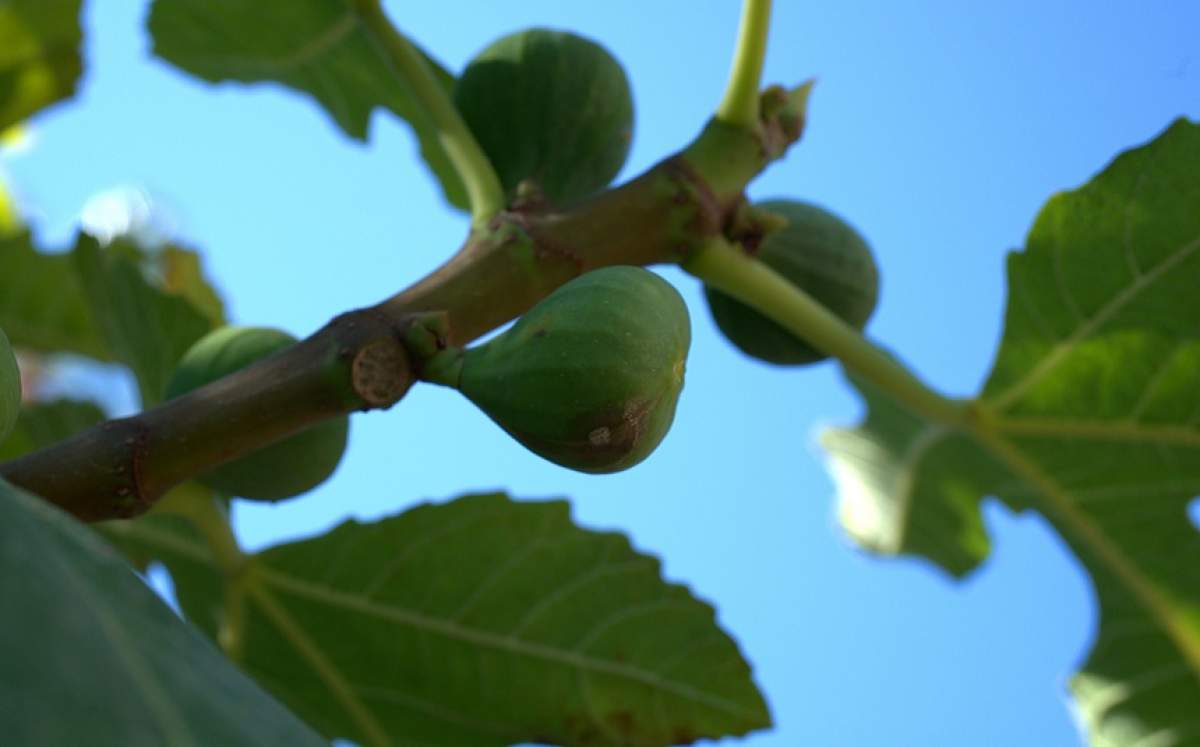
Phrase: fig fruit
(10, 387)
(284, 469)
(824, 256)
(550, 107)
(589, 377)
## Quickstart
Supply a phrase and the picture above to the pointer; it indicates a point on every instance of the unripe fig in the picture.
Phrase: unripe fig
(551, 107)
(284, 469)
(824, 256)
(10, 387)
(589, 377)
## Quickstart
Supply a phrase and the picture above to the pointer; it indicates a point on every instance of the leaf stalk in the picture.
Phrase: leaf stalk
(484, 191)
(724, 267)
(739, 106)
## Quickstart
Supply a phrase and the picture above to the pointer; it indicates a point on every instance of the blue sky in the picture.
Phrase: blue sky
(938, 127)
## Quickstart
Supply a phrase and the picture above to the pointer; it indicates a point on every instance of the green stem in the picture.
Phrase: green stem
(724, 267)
(739, 107)
(198, 505)
(209, 517)
(484, 191)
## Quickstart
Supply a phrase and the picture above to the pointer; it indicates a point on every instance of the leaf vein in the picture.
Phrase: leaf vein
(457, 632)
(1090, 325)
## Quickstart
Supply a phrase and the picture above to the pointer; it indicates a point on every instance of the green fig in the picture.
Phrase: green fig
(589, 377)
(824, 256)
(284, 469)
(550, 107)
(10, 387)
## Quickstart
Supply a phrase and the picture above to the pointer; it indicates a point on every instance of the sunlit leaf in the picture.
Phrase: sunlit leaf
(1092, 417)
(40, 59)
(10, 220)
(182, 273)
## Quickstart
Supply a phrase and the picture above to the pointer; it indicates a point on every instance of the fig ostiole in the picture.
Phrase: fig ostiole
(284, 469)
(10, 387)
(589, 377)
(821, 254)
(553, 112)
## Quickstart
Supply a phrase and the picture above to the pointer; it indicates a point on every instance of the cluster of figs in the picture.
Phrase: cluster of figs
(589, 377)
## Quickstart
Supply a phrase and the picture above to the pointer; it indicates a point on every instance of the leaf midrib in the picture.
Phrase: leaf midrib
(1063, 510)
(487, 639)
(1105, 430)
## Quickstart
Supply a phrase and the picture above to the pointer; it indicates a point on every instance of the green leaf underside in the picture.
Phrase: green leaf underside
(1093, 418)
(92, 656)
(45, 310)
(317, 47)
(481, 621)
(906, 485)
(182, 273)
(117, 303)
(147, 328)
(39, 55)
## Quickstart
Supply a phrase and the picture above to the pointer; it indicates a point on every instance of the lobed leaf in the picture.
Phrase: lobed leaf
(906, 485)
(118, 303)
(1092, 416)
(92, 656)
(481, 621)
(317, 47)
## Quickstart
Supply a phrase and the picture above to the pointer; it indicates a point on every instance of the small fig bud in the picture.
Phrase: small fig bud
(284, 469)
(590, 376)
(10, 387)
(550, 107)
(824, 256)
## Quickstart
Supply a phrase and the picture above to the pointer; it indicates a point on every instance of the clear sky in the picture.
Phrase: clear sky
(939, 127)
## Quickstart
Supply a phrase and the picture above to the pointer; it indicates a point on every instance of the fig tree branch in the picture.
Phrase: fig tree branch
(358, 361)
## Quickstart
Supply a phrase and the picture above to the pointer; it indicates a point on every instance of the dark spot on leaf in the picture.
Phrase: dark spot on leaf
(622, 722)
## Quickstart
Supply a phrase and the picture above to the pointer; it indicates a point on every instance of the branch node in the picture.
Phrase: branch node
(132, 497)
(699, 214)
